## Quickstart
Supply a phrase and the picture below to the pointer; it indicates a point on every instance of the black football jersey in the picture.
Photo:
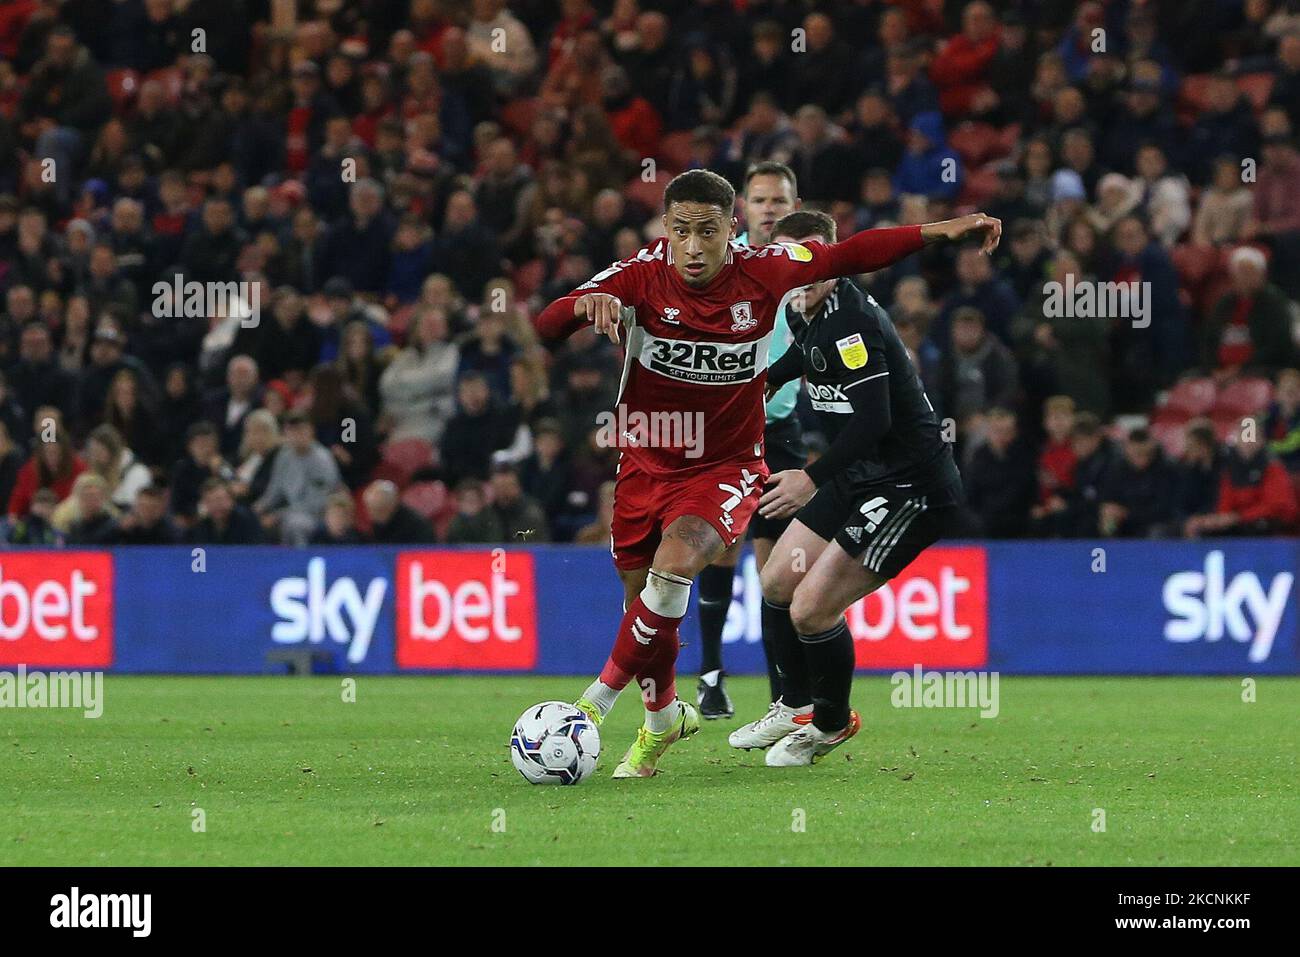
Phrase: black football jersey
(849, 341)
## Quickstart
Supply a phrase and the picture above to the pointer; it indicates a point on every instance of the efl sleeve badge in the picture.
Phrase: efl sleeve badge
(853, 351)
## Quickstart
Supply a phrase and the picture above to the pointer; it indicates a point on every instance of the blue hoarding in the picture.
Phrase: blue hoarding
(1225, 607)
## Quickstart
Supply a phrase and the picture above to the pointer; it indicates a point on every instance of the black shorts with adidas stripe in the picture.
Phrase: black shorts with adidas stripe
(883, 525)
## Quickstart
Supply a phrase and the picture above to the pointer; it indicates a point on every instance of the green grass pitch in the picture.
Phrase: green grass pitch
(416, 772)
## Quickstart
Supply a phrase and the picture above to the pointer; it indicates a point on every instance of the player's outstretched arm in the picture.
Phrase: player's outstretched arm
(980, 226)
(874, 249)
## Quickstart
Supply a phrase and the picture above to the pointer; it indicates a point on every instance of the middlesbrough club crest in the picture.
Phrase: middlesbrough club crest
(742, 317)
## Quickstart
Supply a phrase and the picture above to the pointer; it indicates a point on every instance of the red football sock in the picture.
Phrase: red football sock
(658, 679)
(647, 643)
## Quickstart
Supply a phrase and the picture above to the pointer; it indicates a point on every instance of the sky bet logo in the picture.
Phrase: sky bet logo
(466, 610)
(314, 608)
(1206, 605)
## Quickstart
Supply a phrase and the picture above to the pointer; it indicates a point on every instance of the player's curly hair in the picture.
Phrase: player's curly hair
(700, 186)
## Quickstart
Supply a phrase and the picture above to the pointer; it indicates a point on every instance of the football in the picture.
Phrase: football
(554, 743)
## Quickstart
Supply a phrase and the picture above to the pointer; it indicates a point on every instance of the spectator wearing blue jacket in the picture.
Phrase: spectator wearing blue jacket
(930, 167)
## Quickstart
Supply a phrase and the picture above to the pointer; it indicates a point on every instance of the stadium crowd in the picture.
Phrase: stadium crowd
(408, 181)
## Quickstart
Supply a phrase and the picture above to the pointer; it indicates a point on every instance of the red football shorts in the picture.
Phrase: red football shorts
(726, 496)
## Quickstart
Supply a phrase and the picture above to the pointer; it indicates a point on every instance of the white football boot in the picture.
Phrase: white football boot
(769, 729)
(807, 744)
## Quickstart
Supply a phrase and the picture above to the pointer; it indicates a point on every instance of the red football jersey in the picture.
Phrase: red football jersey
(691, 394)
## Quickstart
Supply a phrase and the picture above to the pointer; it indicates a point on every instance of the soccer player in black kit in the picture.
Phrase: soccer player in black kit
(884, 491)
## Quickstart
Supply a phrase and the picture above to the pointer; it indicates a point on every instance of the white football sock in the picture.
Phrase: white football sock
(711, 679)
(666, 594)
(663, 719)
(602, 696)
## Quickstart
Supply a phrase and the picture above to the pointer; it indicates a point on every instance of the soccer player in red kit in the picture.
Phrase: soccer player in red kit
(697, 312)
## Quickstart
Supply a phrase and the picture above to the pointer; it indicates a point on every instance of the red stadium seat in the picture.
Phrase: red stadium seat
(1192, 397)
(1194, 263)
(1227, 424)
(122, 85)
(979, 187)
(976, 143)
(1257, 87)
(675, 150)
(172, 81)
(408, 456)
(1165, 416)
(528, 278)
(517, 116)
(426, 498)
(387, 471)
(646, 195)
(1192, 94)
(1008, 139)
(1244, 397)
(1171, 436)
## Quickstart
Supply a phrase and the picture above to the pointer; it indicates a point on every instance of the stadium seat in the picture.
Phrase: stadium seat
(979, 187)
(675, 150)
(1171, 436)
(1192, 397)
(122, 85)
(528, 278)
(426, 498)
(1008, 139)
(1244, 397)
(387, 471)
(517, 116)
(976, 143)
(1165, 416)
(1257, 87)
(407, 456)
(1192, 94)
(1227, 424)
(1195, 264)
(172, 82)
(646, 195)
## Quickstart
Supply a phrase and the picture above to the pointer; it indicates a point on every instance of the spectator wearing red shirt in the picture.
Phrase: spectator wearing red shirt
(54, 465)
(575, 17)
(636, 124)
(1056, 460)
(960, 68)
(1255, 494)
(1250, 326)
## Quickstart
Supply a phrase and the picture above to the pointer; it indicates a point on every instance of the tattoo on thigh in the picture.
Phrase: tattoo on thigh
(695, 532)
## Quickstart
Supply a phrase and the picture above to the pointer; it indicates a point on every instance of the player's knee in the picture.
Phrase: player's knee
(806, 614)
(778, 582)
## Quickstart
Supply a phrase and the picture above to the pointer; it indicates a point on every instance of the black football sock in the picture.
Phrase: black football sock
(715, 601)
(830, 663)
(786, 655)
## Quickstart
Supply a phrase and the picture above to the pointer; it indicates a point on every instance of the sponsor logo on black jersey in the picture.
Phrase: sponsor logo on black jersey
(829, 398)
